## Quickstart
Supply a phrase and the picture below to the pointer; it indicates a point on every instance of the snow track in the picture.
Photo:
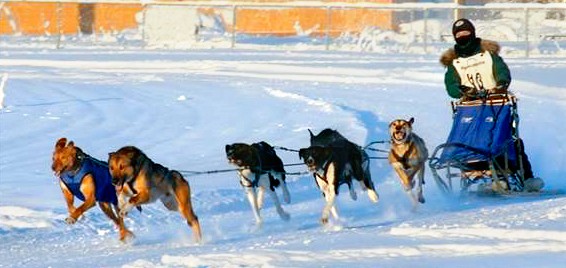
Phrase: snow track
(182, 108)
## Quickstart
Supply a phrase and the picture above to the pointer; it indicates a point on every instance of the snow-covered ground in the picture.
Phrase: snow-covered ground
(182, 107)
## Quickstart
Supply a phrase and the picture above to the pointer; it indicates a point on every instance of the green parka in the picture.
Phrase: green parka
(452, 79)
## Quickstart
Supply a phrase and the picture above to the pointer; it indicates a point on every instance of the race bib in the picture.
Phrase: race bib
(476, 71)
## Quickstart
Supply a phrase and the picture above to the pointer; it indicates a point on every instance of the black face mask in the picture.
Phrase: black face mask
(464, 40)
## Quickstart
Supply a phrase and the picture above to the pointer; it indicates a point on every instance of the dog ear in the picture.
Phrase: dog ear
(411, 121)
(137, 158)
(71, 144)
(227, 148)
(60, 144)
(310, 132)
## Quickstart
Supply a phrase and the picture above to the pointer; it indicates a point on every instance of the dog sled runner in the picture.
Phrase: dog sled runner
(482, 152)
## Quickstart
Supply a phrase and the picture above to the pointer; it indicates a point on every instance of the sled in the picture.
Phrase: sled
(482, 149)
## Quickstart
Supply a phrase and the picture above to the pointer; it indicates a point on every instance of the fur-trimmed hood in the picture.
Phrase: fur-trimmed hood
(449, 55)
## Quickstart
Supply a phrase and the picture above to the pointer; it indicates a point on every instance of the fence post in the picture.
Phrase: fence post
(425, 30)
(145, 7)
(527, 32)
(59, 28)
(328, 24)
(233, 42)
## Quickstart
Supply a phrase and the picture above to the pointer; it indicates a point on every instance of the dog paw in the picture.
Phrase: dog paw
(421, 200)
(284, 216)
(125, 209)
(324, 221)
(70, 220)
(373, 196)
(123, 213)
(353, 195)
(126, 236)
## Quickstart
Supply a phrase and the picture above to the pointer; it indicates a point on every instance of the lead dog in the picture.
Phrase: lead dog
(259, 169)
(334, 161)
(88, 179)
(407, 156)
(140, 181)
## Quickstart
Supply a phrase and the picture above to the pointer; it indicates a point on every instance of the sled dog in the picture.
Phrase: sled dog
(407, 156)
(333, 161)
(139, 181)
(260, 170)
(87, 179)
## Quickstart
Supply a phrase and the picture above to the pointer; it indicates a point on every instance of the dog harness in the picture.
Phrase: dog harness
(403, 159)
(339, 180)
(264, 151)
(105, 191)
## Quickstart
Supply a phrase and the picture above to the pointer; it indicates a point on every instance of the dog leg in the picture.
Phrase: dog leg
(286, 195)
(282, 214)
(250, 193)
(330, 193)
(69, 200)
(260, 197)
(367, 185)
(142, 197)
(413, 198)
(329, 207)
(420, 183)
(405, 178)
(373, 196)
(353, 194)
(87, 188)
(118, 221)
(334, 212)
(182, 193)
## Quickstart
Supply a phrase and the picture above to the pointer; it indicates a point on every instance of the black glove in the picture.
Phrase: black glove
(503, 86)
(482, 94)
(468, 91)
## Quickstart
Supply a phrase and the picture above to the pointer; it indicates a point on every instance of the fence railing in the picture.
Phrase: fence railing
(525, 29)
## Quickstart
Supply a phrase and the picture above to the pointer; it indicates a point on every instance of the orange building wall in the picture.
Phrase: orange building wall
(115, 16)
(41, 18)
(281, 22)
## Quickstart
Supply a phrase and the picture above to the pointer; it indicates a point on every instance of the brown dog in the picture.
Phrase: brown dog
(139, 180)
(87, 179)
(408, 155)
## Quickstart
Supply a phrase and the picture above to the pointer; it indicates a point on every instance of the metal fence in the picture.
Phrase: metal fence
(525, 30)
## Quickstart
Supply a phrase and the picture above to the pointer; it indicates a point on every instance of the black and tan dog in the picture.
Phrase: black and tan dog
(88, 179)
(408, 155)
(259, 169)
(334, 161)
(139, 181)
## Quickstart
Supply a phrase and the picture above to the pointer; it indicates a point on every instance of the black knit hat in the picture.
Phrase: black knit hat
(462, 25)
